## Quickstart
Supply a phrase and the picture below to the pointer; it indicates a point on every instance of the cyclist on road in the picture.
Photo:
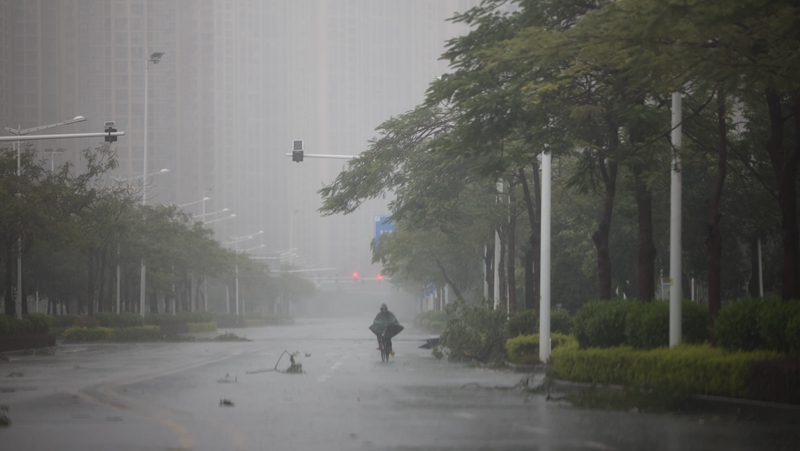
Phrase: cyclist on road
(385, 325)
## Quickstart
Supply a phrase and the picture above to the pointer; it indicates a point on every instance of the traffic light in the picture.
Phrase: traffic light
(110, 129)
(297, 150)
(380, 276)
(355, 277)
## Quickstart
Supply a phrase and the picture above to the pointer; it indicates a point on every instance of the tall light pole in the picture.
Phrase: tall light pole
(19, 132)
(675, 250)
(544, 271)
(155, 58)
(236, 240)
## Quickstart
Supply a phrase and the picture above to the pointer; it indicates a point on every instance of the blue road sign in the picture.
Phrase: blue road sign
(382, 225)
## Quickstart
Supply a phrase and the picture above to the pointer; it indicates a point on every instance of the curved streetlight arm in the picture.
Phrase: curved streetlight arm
(127, 179)
(233, 215)
(25, 131)
(195, 202)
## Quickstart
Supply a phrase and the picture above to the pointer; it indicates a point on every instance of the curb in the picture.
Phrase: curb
(539, 368)
(562, 385)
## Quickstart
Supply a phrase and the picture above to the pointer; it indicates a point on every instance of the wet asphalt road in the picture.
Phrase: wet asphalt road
(166, 396)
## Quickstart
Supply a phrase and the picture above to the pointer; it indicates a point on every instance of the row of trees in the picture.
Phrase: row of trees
(590, 82)
(73, 229)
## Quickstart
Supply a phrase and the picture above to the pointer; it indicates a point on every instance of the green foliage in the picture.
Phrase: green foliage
(63, 320)
(230, 336)
(773, 322)
(474, 332)
(523, 323)
(182, 317)
(224, 320)
(560, 322)
(87, 321)
(203, 327)
(433, 321)
(647, 324)
(10, 325)
(87, 335)
(37, 323)
(125, 319)
(736, 327)
(524, 349)
(775, 380)
(793, 335)
(136, 334)
(601, 324)
(687, 368)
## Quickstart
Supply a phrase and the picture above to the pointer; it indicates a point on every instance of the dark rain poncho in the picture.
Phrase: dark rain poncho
(386, 323)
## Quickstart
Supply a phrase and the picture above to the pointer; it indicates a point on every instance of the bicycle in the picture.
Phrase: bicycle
(385, 344)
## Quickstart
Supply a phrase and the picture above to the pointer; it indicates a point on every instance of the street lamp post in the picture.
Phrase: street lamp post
(235, 241)
(155, 58)
(52, 153)
(19, 132)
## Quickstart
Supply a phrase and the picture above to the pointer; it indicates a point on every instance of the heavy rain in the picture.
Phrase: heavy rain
(399, 225)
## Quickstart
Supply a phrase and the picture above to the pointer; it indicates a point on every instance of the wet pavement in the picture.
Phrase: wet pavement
(169, 396)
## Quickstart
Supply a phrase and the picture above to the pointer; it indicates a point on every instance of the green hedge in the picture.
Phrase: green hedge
(647, 324)
(601, 324)
(125, 319)
(431, 320)
(524, 349)
(140, 333)
(31, 323)
(773, 321)
(643, 325)
(523, 323)
(203, 327)
(226, 320)
(63, 320)
(182, 317)
(108, 334)
(80, 334)
(687, 368)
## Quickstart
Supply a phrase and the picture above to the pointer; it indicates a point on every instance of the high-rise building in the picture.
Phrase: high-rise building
(239, 80)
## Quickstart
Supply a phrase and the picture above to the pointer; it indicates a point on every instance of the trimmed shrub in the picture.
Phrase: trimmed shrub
(82, 335)
(793, 335)
(125, 319)
(601, 324)
(86, 321)
(228, 320)
(174, 329)
(524, 323)
(36, 323)
(203, 327)
(775, 380)
(647, 324)
(687, 368)
(64, 320)
(560, 323)
(524, 349)
(736, 327)
(139, 333)
(254, 322)
(10, 325)
(773, 321)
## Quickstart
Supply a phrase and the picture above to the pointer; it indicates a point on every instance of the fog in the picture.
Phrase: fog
(238, 82)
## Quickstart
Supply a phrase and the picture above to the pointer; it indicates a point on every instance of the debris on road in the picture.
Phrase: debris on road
(294, 367)
(227, 379)
(4, 419)
(225, 403)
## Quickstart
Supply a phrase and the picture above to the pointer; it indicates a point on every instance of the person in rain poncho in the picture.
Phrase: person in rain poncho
(385, 324)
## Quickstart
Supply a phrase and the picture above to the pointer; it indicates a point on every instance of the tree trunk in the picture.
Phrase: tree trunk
(512, 252)
(785, 167)
(8, 297)
(647, 250)
(501, 271)
(532, 257)
(488, 263)
(154, 302)
(101, 291)
(713, 236)
(90, 283)
(449, 280)
(24, 295)
(601, 236)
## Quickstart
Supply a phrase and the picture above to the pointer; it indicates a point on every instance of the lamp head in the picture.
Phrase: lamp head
(155, 57)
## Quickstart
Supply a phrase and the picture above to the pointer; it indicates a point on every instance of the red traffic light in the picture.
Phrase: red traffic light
(355, 275)
(380, 276)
